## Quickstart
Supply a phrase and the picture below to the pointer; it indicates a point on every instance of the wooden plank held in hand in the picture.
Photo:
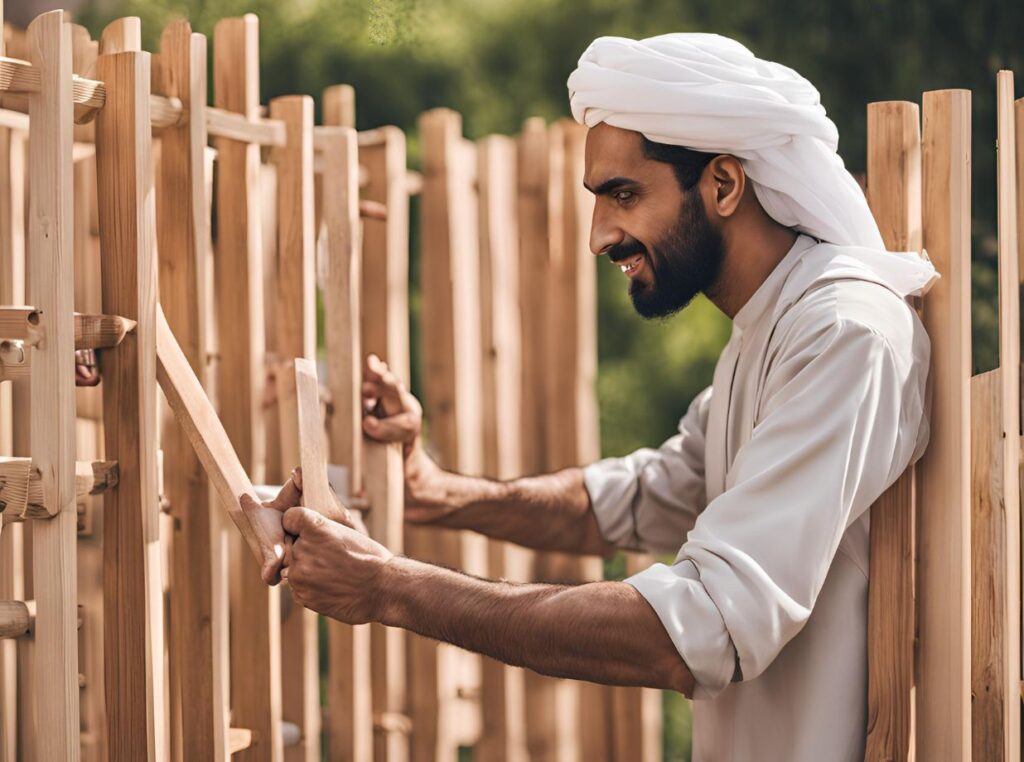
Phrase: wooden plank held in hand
(261, 528)
(52, 411)
(182, 237)
(995, 516)
(350, 701)
(255, 650)
(943, 692)
(894, 194)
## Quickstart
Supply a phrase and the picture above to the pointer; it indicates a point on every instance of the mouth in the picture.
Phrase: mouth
(631, 266)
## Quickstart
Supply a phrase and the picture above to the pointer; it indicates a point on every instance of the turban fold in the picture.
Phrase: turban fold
(709, 93)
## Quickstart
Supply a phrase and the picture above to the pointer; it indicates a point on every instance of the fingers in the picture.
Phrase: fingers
(290, 494)
(298, 520)
(381, 384)
(396, 428)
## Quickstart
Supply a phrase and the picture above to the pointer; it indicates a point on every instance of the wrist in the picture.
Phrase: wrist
(392, 584)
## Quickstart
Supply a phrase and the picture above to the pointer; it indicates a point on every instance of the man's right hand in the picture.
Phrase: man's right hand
(395, 415)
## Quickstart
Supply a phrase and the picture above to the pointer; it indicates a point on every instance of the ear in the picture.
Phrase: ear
(724, 183)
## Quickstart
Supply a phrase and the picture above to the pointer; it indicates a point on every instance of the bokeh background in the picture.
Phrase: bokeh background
(499, 61)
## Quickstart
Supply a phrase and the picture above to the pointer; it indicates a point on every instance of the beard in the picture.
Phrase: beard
(683, 264)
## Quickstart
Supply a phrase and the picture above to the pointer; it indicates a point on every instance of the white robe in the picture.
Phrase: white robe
(817, 405)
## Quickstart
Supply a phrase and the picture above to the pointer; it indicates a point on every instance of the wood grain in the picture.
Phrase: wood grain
(944, 656)
(239, 262)
(894, 194)
(52, 407)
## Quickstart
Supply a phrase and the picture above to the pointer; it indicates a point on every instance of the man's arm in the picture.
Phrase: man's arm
(603, 632)
(549, 512)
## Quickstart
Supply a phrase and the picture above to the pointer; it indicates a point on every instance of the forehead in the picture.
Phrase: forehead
(611, 152)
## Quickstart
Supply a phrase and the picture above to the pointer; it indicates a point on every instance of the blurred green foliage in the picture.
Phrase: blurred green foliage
(498, 62)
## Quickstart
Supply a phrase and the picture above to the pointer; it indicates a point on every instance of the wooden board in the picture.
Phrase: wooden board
(894, 194)
(452, 404)
(995, 516)
(295, 336)
(349, 717)
(52, 411)
(943, 667)
(182, 241)
(503, 690)
(254, 608)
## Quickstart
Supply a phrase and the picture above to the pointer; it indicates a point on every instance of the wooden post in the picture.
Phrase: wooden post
(52, 411)
(383, 311)
(133, 604)
(894, 193)
(182, 235)
(944, 582)
(995, 520)
(503, 688)
(349, 692)
(451, 379)
(255, 608)
(295, 321)
(12, 291)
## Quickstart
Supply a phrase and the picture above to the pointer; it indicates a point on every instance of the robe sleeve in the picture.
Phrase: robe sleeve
(649, 499)
(830, 438)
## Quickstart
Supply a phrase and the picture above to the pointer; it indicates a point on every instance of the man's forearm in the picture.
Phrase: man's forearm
(603, 632)
(549, 512)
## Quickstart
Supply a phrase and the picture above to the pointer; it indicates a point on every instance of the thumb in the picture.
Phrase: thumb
(299, 520)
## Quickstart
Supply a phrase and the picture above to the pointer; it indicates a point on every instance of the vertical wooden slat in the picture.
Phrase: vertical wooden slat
(502, 699)
(349, 702)
(384, 316)
(1018, 110)
(255, 608)
(133, 604)
(12, 291)
(894, 194)
(944, 577)
(295, 336)
(52, 408)
(995, 520)
(182, 235)
(451, 378)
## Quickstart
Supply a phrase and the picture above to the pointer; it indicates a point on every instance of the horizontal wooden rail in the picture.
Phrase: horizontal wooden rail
(228, 124)
(13, 120)
(14, 361)
(16, 618)
(21, 486)
(91, 331)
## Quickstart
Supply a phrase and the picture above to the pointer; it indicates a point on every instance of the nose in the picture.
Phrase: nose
(604, 233)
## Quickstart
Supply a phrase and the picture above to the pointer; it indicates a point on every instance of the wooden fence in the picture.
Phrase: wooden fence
(189, 244)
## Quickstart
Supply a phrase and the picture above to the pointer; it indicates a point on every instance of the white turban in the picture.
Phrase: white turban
(709, 93)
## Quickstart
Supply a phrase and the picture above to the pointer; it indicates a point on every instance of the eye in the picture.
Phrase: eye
(624, 196)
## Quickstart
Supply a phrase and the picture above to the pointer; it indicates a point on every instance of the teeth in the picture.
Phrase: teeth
(631, 265)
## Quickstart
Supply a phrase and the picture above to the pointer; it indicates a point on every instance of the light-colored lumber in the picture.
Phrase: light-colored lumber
(182, 240)
(451, 380)
(221, 123)
(943, 712)
(255, 609)
(193, 410)
(350, 704)
(1018, 110)
(21, 485)
(379, 306)
(52, 411)
(15, 619)
(995, 519)
(238, 739)
(91, 331)
(503, 689)
(894, 194)
(295, 336)
(134, 629)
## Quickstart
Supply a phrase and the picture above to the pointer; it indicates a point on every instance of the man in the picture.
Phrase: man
(714, 172)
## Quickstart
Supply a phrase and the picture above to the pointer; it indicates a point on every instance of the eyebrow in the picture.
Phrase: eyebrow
(610, 186)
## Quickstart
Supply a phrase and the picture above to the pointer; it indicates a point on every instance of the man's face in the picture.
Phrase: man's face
(659, 235)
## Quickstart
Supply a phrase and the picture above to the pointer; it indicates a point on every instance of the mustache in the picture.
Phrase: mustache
(624, 250)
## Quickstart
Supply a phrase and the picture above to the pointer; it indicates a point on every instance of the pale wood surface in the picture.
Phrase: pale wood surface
(944, 667)
(255, 609)
(349, 717)
(182, 240)
(894, 194)
(52, 408)
(502, 698)
(133, 606)
(1018, 111)
(295, 336)
(995, 518)
(14, 619)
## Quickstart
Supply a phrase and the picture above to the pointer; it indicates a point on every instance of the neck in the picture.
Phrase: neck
(751, 253)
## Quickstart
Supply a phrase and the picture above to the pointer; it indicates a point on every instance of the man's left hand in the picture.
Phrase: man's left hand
(333, 569)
